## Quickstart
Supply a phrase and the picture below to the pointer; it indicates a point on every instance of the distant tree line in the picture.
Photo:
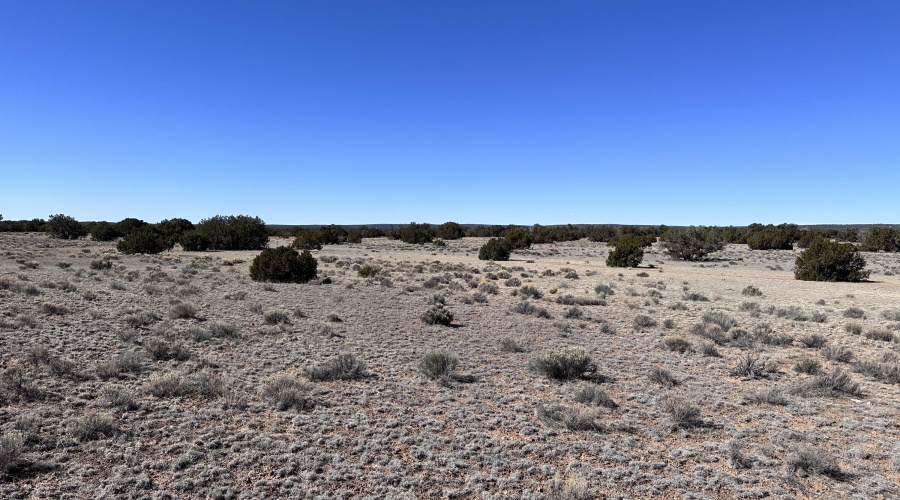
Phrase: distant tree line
(244, 232)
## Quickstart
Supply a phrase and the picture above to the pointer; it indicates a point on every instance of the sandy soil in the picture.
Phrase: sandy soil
(105, 392)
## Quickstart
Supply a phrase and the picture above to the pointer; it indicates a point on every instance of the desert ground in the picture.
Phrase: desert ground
(176, 376)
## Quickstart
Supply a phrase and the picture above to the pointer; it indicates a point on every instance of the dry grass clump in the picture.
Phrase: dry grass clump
(813, 341)
(748, 367)
(751, 291)
(120, 399)
(510, 345)
(528, 292)
(711, 332)
(276, 318)
(239, 295)
(568, 488)
(853, 328)
(695, 296)
(881, 334)
(684, 415)
(287, 392)
(204, 383)
(18, 287)
(893, 315)
(808, 366)
(564, 364)
(437, 315)
(140, 317)
(167, 385)
(367, 271)
(438, 365)
(818, 317)
(220, 329)
(887, 370)
(54, 309)
(162, 349)
(342, 367)
(17, 384)
(791, 312)
(677, 344)
(604, 290)
(721, 319)
(855, 313)
(837, 353)
(764, 334)
(182, 310)
(810, 460)
(12, 445)
(663, 377)
(767, 396)
(833, 384)
(572, 418)
(709, 350)
(125, 364)
(573, 312)
(643, 321)
(595, 396)
(93, 426)
(571, 300)
(530, 309)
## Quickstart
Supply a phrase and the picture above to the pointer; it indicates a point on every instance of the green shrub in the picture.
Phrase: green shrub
(769, 239)
(809, 236)
(881, 239)
(494, 249)
(693, 243)
(629, 252)
(144, 239)
(283, 265)
(173, 229)
(517, 239)
(416, 234)
(449, 231)
(332, 234)
(193, 241)
(104, 231)
(127, 225)
(65, 227)
(308, 239)
(828, 261)
(600, 233)
(231, 232)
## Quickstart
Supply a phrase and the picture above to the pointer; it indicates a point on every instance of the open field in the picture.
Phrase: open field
(176, 376)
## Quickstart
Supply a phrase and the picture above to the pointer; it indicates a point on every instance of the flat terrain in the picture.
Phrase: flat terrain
(176, 376)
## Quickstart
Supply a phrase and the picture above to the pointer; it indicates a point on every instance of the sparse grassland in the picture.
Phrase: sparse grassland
(176, 375)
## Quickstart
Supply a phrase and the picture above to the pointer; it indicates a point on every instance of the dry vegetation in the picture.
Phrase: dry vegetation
(443, 376)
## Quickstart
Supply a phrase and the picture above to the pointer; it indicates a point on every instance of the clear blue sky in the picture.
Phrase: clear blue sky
(308, 112)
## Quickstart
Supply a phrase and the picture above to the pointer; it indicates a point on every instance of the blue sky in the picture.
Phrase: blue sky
(308, 112)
